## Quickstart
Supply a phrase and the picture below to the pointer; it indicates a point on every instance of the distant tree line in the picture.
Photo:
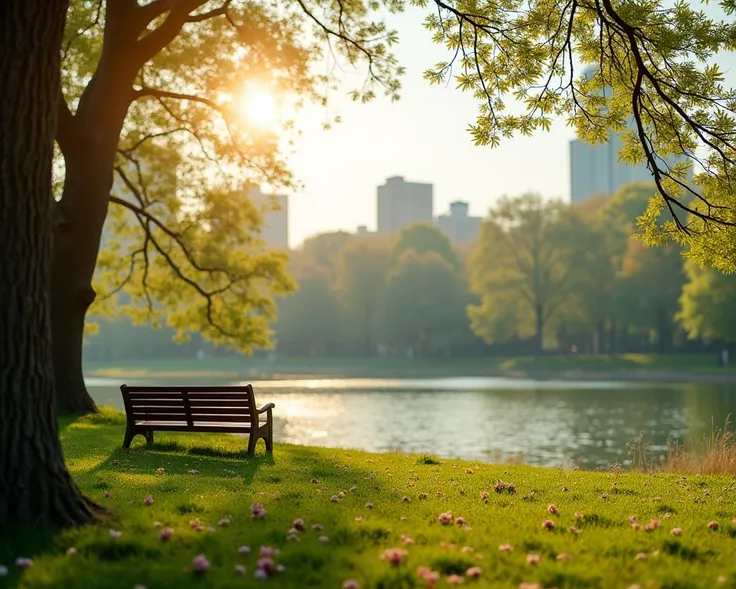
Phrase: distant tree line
(543, 276)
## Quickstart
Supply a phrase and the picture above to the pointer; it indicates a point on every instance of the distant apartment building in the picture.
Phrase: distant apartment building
(401, 203)
(458, 225)
(363, 231)
(596, 170)
(275, 229)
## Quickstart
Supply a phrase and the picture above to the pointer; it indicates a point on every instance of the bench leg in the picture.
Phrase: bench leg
(269, 438)
(129, 435)
(149, 436)
(252, 439)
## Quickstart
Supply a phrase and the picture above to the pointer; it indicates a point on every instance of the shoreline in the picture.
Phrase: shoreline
(324, 369)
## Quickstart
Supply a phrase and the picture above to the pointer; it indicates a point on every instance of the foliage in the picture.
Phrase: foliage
(524, 267)
(650, 76)
(603, 548)
(707, 303)
(423, 238)
(425, 303)
(170, 79)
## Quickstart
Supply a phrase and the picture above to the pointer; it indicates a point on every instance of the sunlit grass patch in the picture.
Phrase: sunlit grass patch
(383, 520)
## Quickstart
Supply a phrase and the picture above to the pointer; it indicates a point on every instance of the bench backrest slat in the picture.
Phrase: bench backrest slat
(190, 404)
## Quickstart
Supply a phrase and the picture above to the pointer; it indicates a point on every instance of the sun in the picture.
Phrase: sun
(259, 107)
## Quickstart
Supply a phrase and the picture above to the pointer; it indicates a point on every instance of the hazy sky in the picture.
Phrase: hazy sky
(423, 137)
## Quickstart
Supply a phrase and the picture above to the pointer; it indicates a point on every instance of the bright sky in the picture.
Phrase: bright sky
(423, 137)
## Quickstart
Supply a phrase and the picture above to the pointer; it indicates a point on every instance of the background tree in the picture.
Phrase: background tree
(707, 304)
(35, 487)
(424, 300)
(145, 81)
(362, 277)
(309, 321)
(424, 238)
(524, 267)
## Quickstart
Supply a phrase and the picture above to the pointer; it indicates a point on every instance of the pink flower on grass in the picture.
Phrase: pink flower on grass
(107, 494)
(460, 521)
(369, 505)
(474, 572)
(563, 557)
(394, 556)
(243, 549)
(225, 521)
(552, 509)
(298, 524)
(267, 565)
(239, 570)
(257, 511)
(261, 575)
(713, 525)
(318, 527)
(635, 525)
(350, 584)
(428, 575)
(548, 524)
(505, 548)
(324, 539)
(406, 539)
(484, 496)
(466, 549)
(578, 515)
(148, 500)
(268, 552)
(165, 534)
(422, 496)
(676, 531)
(641, 556)
(533, 559)
(23, 563)
(200, 563)
(445, 518)
(115, 534)
(655, 523)
(71, 551)
(455, 579)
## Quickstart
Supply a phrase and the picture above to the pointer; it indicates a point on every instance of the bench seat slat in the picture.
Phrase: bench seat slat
(142, 408)
(157, 402)
(219, 410)
(197, 427)
(154, 395)
(183, 417)
(188, 388)
(220, 396)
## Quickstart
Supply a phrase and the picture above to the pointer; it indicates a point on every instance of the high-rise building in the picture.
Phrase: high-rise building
(275, 229)
(400, 203)
(596, 170)
(458, 225)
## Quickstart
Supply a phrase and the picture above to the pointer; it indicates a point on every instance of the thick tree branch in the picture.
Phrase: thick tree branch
(178, 14)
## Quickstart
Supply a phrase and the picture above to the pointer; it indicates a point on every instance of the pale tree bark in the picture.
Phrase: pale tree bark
(35, 485)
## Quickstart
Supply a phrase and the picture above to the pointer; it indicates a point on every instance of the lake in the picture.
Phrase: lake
(550, 423)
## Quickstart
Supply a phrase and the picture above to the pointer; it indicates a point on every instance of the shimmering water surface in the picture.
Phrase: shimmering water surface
(550, 422)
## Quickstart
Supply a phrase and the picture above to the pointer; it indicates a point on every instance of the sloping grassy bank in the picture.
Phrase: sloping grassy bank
(694, 367)
(356, 506)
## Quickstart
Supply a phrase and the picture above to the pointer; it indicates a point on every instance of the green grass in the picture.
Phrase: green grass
(603, 552)
(630, 366)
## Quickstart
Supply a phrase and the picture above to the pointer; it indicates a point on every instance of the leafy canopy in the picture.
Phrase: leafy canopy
(182, 239)
(652, 79)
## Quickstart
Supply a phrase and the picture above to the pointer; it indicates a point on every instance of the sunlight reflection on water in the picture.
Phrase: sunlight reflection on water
(551, 422)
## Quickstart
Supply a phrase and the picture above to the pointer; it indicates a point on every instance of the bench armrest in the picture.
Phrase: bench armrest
(266, 407)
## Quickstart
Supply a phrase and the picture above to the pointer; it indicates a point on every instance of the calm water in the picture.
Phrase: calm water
(551, 423)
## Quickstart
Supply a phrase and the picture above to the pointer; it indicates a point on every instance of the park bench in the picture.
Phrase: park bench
(223, 409)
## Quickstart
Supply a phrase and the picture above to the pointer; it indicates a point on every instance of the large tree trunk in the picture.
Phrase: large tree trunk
(79, 219)
(76, 245)
(36, 487)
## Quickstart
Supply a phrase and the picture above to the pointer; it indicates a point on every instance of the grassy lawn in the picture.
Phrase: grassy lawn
(233, 367)
(207, 480)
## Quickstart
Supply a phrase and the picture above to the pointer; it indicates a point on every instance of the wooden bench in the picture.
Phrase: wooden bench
(224, 409)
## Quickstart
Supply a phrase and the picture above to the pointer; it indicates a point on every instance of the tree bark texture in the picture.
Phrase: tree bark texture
(34, 483)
